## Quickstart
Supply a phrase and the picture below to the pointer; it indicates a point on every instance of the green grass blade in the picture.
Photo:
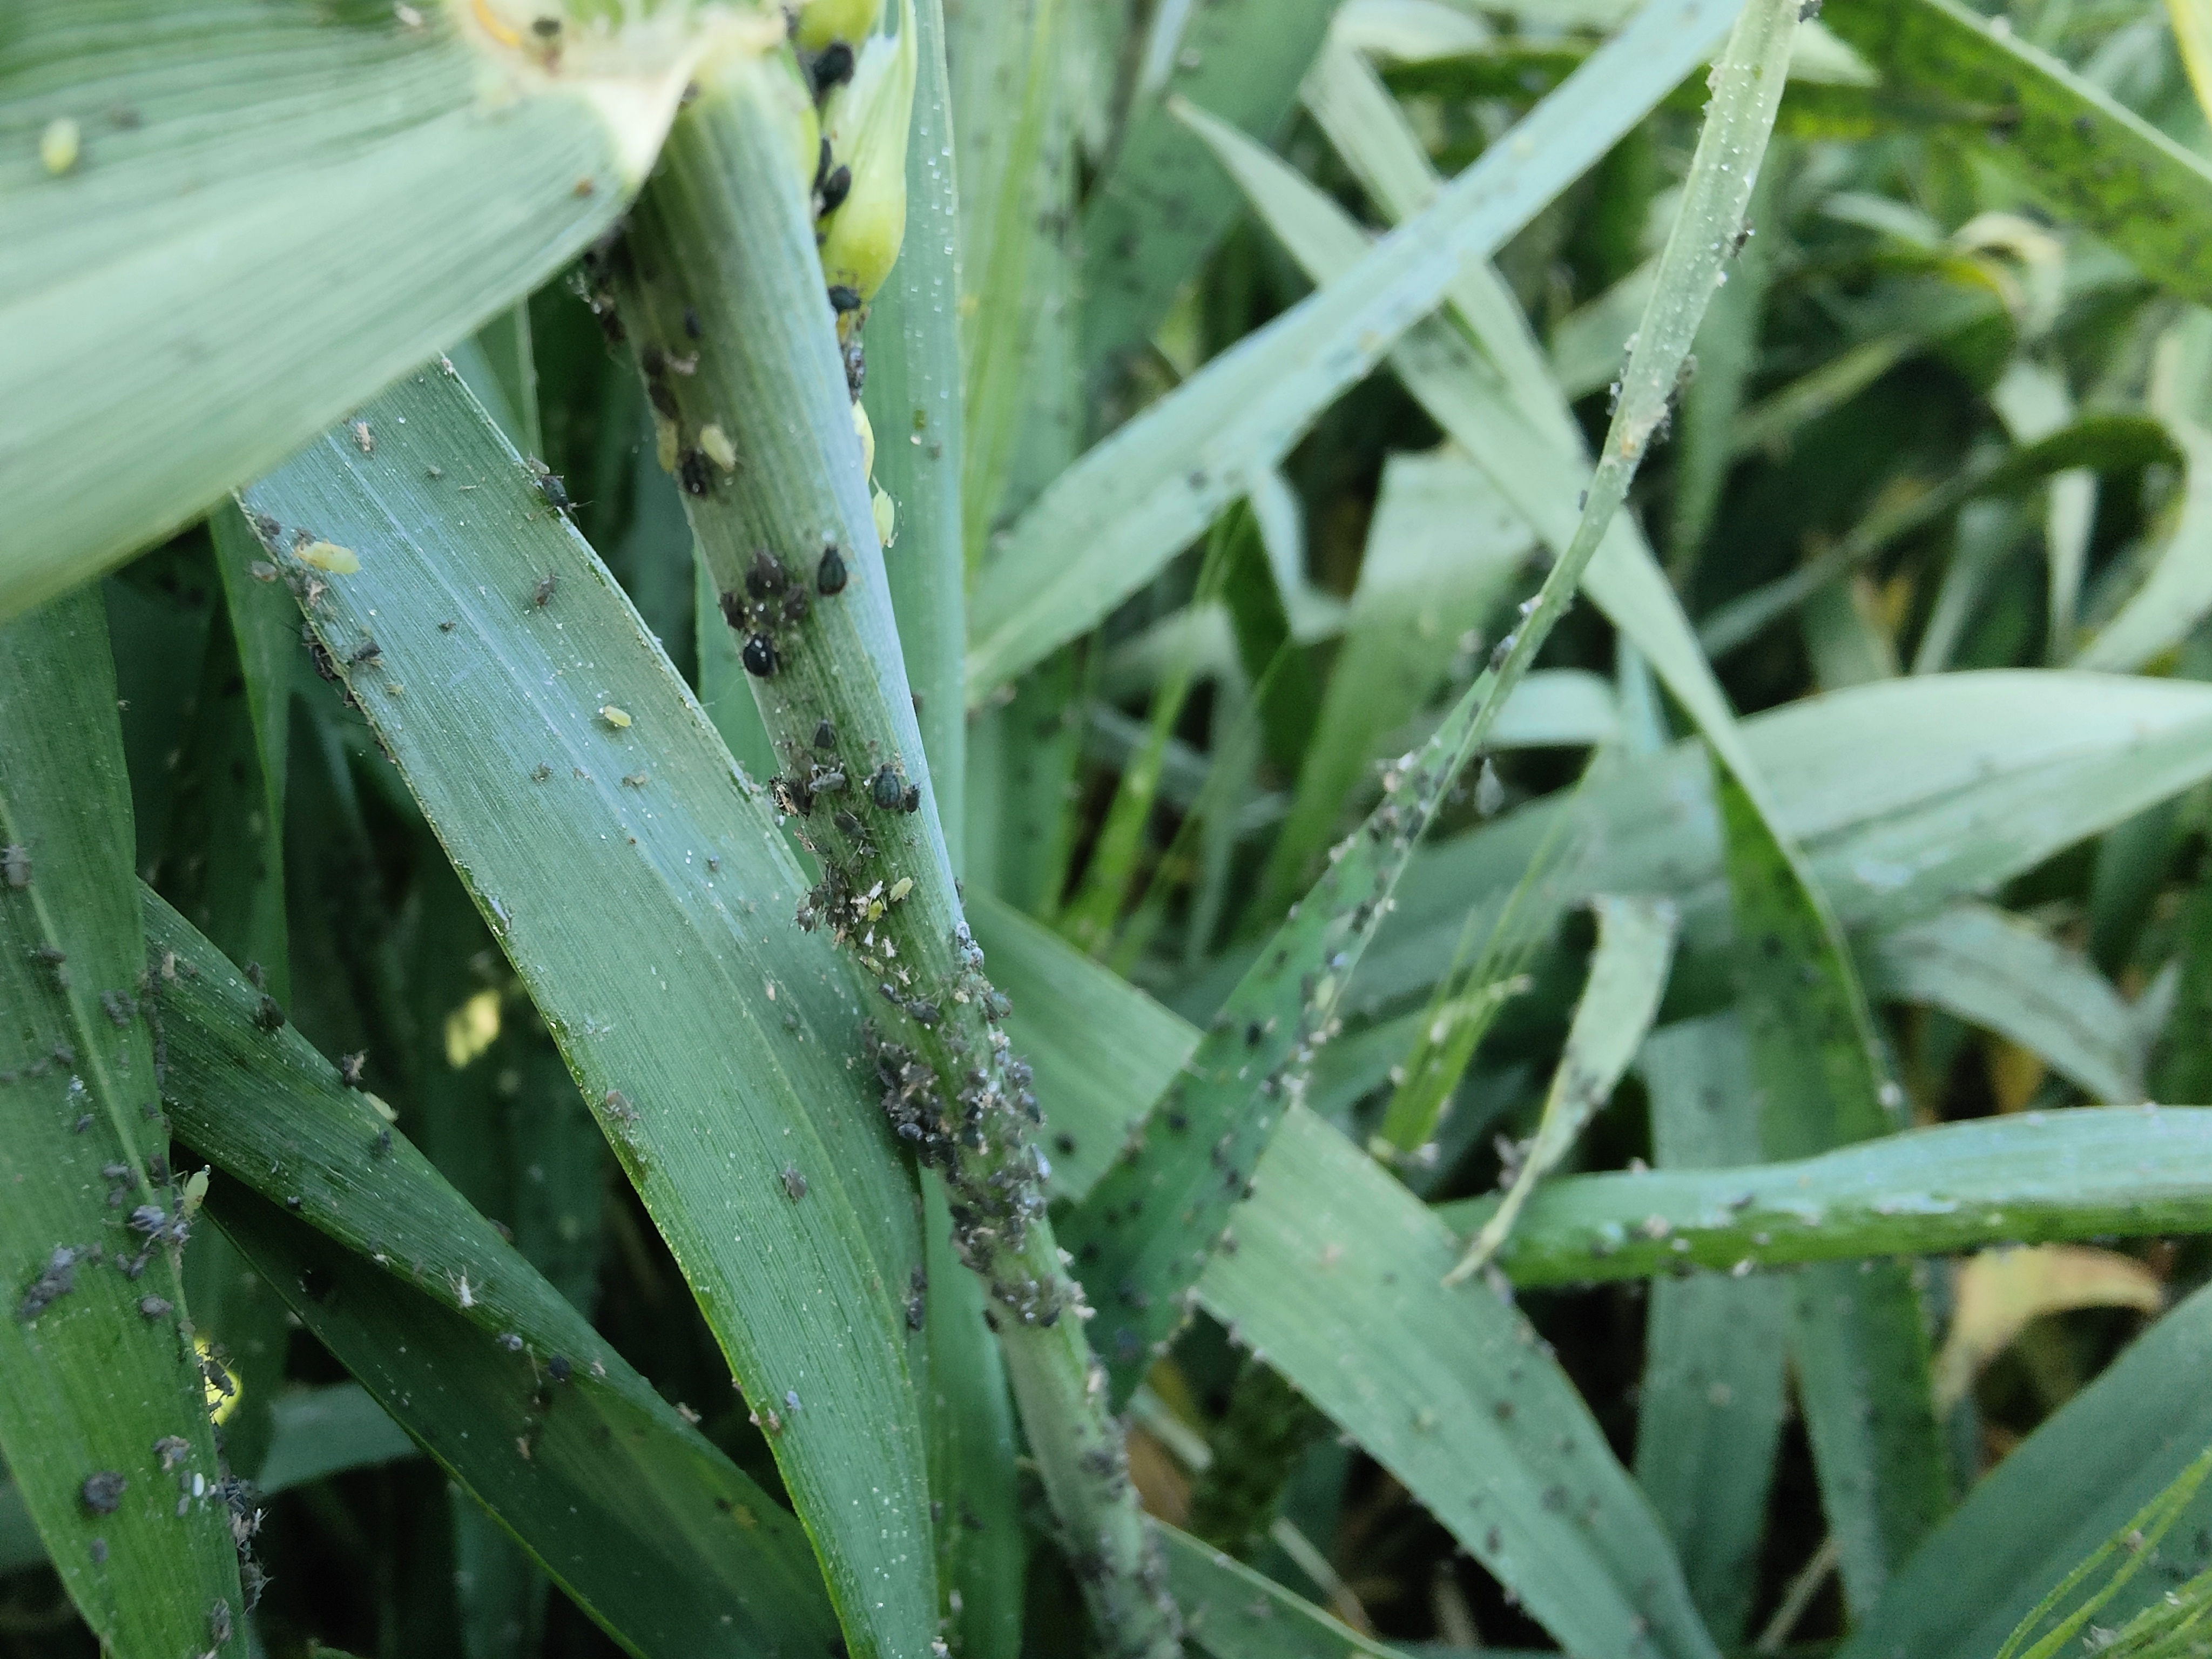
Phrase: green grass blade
(722, 263)
(1440, 554)
(1096, 1070)
(1627, 973)
(319, 1430)
(1500, 402)
(2098, 441)
(2089, 158)
(1015, 213)
(915, 405)
(2178, 593)
(1996, 971)
(1709, 1414)
(2123, 1172)
(1027, 753)
(103, 1418)
(1337, 1279)
(223, 850)
(350, 210)
(1113, 520)
(1235, 1612)
(655, 1535)
(2068, 1488)
(416, 1293)
(1860, 1345)
(1258, 1047)
(1150, 222)
(712, 1080)
(1983, 776)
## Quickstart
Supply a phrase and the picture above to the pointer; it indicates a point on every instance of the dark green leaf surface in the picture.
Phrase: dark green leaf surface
(272, 212)
(102, 1416)
(2073, 1484)
(1336, 1278)
(636, 880)
(2094, 162)
(1710, 1415)
(1856, 1332)
(1234, 1613)
(641, 1520)
(1151, 220)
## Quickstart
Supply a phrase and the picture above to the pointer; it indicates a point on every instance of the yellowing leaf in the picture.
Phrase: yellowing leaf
(2000, 1291)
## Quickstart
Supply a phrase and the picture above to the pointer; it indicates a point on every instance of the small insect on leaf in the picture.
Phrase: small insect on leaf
(759, 656)
(794, 1183)
(830, 574)
(543, 595)
(15, 866)
(364, 439)
(719, 450)
(329, 556)
(103, 1492)
(60, 145)
(617, 718)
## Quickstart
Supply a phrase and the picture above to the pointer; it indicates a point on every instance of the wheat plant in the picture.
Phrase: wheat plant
(1262, 827)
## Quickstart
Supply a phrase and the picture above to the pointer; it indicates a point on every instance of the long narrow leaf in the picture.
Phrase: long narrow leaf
(265, 216)
(1856, 1335)
(102, 1416)
(706, 1031)
(419, 1295)
(1115, 520)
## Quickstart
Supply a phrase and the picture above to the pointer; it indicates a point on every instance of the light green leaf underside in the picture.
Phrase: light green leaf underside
(272, 214)
(634, 878)
(97, 1382)
(1113, 520)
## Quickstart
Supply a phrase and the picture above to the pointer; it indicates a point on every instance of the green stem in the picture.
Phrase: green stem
(720, 264)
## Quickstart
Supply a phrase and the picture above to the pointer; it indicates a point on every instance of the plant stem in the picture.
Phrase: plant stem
(722, 295)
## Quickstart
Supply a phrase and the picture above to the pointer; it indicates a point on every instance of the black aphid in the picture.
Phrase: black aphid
(542, 595)
(663, 400)
(794, 1183)
(57, 1281)
(697, 476)
(349, 1068)
(856, 369)
(558, 1368)
(103, 1492)
(835, 187)
(733, 609)
(691, 323)
(268, 1016)
(833, 68)
(554, 492)
(15, 866)
(767, 577)
(759, 656)
(367, 655)
(825, 736)
(843, 299)
(153, 1307)
(911, 801)
(887, 789)
(830, 574)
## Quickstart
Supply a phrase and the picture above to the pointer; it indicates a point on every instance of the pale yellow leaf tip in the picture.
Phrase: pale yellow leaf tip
(633, 73)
